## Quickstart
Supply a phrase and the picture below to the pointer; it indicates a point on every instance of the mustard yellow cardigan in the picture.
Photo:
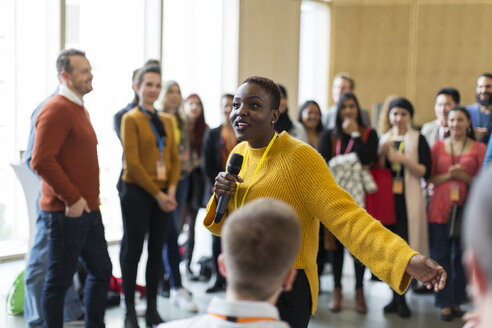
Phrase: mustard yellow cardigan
(295, 173)
(141, 152)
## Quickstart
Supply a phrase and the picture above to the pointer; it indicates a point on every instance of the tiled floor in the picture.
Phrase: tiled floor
(378, 294)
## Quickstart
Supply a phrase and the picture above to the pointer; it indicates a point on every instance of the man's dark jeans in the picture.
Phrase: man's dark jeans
(69, 239)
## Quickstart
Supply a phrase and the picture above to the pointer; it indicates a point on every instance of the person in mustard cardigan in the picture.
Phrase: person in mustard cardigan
(150, 176)
(284, 168)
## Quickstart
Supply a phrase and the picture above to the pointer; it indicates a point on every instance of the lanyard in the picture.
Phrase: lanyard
(160, 140)
(348, 149)
(452, 153)
(241, 320)
(480, 119)
(256, 171)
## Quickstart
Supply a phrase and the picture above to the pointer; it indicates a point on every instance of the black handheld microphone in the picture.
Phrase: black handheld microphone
(233, 168)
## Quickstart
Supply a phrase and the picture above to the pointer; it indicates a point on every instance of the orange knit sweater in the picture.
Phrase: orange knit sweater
(295, 173)
(65, 155)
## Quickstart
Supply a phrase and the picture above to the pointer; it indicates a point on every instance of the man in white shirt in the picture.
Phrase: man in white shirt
(446, 99)
(342, 83)
(260, 242)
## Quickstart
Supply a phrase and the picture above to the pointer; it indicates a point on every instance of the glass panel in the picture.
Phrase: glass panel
(193, 50)
(114, 52)
(314, 52)
(25, 80)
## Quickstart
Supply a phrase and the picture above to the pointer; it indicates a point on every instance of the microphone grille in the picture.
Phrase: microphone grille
(235, 164)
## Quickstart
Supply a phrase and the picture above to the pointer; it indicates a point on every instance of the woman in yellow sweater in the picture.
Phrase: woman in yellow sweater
(281, 167)
(150, 175)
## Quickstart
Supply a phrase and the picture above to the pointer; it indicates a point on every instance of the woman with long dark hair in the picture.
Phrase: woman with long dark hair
(456, 161)
(308, 126)
(349, 136)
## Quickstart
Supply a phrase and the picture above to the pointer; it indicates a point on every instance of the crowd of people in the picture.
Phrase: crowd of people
(322, 165)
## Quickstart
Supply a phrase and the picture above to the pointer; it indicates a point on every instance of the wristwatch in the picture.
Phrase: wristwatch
(355, 134)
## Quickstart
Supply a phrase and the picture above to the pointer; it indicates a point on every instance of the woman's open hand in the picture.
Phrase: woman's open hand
(427, 271)
(225, 183)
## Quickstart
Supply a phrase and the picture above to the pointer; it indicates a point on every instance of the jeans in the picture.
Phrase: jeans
(69, 239)
(171, 257)
(34, 278)
(359, 268)
(447, 252)
(170, 252)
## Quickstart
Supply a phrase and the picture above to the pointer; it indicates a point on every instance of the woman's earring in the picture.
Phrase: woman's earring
(273, 122)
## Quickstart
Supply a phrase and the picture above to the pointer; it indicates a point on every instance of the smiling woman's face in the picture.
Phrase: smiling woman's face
(252, 115)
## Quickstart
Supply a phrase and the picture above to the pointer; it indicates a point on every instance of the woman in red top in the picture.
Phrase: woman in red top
(456, 160)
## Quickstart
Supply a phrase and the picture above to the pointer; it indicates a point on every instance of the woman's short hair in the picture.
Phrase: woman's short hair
(305, 106)
(269, 86)
(338, 121)
(260, 242)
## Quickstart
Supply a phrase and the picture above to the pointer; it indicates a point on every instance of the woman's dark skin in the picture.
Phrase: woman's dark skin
(253, 119)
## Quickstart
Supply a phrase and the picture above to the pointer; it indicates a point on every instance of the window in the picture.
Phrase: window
(200, 49)
(314, 52)
(28, 53)
(114, 52)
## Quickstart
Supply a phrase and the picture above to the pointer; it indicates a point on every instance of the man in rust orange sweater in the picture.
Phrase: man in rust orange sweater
(65, 157)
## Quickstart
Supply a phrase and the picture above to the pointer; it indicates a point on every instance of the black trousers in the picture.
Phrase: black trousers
(141, 215)
(295, 306)
(338, 256)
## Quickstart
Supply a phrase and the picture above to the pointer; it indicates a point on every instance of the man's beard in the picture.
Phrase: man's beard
(486, 102)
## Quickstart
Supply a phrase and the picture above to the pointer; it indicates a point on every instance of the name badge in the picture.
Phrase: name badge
(454, 193)
(161, 170)
(397, 185)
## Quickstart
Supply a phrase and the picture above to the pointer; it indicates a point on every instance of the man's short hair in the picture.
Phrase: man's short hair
(346, 76)
(477, 224)
(260, 242)
(452, 92)
(487, 75)
(63, 60)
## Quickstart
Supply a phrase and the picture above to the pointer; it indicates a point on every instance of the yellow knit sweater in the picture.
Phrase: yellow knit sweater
(295, 173)
(142, 153)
